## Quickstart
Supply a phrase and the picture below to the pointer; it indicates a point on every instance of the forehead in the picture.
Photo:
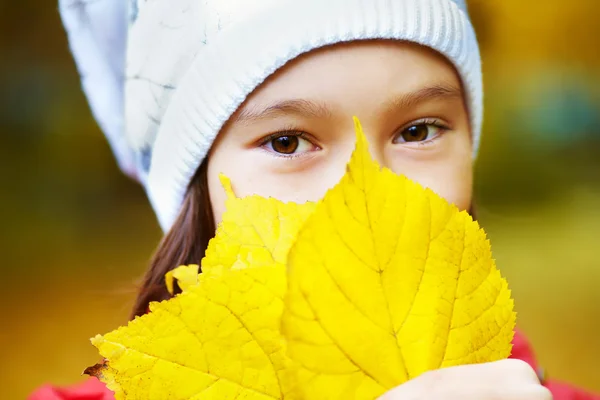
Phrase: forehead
(343, 72)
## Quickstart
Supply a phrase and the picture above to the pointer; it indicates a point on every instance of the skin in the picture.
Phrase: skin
(392, 87)
(293, 136)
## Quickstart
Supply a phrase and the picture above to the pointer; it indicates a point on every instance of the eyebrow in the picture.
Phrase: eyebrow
(312, 109)
(423, 95)
(300, 107)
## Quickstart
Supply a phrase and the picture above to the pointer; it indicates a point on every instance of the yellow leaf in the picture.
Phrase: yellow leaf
(186, 276)
(220, 338)
(255, 232)
(387, 281)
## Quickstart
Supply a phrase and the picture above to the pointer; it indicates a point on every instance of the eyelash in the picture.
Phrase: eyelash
(287, 131)
(425, 121)
(294, 131)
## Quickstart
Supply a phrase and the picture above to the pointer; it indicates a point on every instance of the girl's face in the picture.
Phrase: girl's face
(293, 136)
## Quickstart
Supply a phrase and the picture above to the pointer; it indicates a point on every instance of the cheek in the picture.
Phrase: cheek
(252, 175)
(226, 161)
(452, 181)
(255, 175)
(457, 189)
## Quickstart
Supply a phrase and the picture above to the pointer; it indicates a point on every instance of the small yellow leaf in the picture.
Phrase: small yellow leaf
(220, 338)
(255, 232)
(186, 276)
(386, 281)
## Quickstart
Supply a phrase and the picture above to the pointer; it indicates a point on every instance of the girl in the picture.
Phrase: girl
(264, 92)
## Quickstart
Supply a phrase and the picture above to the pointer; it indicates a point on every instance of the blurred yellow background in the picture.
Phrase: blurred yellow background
(76, 233)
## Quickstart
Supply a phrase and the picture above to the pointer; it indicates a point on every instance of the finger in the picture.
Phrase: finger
(518, 372)
(528, 392)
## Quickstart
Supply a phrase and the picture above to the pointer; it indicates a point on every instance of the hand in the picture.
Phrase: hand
(501, 380)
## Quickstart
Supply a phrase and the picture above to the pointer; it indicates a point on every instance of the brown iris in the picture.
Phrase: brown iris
(285, 144)
(415, 133)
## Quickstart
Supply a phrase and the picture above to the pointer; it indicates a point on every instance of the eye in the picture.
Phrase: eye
(421, 132)
(287, 144)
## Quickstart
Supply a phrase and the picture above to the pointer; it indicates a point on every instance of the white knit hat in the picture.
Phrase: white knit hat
(163, 76)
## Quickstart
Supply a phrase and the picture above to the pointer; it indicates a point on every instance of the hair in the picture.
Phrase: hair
(185, 243)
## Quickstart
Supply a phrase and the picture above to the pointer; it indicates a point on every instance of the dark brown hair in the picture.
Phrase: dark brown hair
(185, 243)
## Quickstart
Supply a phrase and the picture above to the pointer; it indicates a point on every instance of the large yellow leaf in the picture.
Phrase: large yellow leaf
(220, 338)
(387, 281)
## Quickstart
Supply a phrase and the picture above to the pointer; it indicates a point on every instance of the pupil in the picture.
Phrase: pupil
(285, 144)
(415, 133)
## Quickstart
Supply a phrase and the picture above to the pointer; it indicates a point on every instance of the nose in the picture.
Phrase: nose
(376, 141)
(377, 144)
(378, 153)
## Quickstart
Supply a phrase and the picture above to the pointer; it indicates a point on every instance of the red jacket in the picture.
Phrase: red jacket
(93, 389)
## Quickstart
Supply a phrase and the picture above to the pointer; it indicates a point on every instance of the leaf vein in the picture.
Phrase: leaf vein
(451, 316)
(338, 346)
(189, 367)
